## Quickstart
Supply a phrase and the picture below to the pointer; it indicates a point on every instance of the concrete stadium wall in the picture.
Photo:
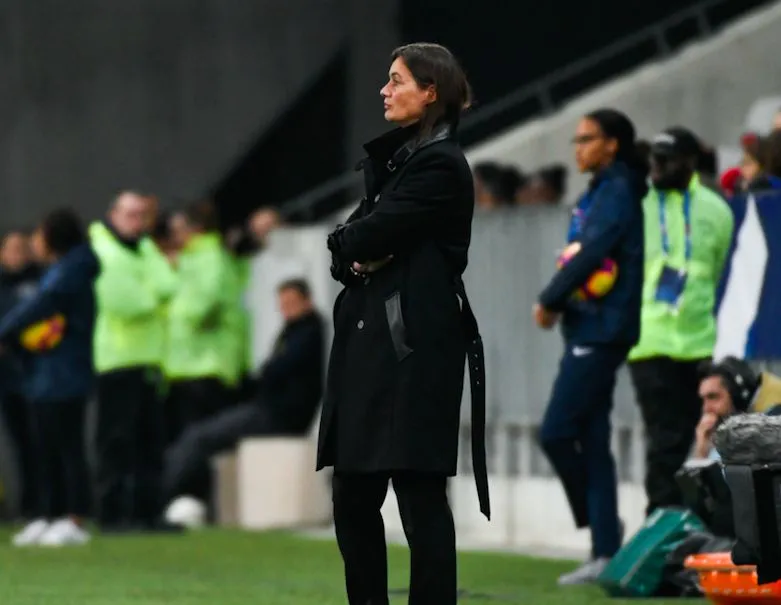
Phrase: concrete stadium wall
(709, 87)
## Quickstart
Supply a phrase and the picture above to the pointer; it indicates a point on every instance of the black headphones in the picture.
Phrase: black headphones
(741, 380)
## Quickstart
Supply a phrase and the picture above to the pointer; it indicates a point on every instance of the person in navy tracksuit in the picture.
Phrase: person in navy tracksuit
(598, 334)
(58, 380)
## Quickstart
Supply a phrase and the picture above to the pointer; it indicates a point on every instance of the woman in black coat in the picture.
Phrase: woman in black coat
(396, 372)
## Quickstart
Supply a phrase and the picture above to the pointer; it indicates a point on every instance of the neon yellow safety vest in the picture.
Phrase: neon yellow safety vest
(131, 291)
(198, 335)
(689, 333)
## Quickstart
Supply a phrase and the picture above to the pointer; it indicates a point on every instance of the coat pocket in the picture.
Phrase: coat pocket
(398, 331)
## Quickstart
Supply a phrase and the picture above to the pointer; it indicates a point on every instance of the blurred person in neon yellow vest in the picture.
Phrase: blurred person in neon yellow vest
(688, 233)
(201, 360)
(132, 290)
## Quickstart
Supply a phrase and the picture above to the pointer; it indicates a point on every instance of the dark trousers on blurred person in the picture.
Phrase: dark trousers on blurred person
(17, 414)
(187, 460)
(668, 394)
(428, 526)
(575, 435)
(61, 462)
(191, 403)
(129, 438)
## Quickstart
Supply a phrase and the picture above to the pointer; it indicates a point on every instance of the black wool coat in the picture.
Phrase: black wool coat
(396, 371)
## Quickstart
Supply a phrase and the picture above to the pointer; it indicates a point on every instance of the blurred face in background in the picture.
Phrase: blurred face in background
(263, 222)
(40, 249)
(670, 170)
(484, 197)
(715, 397)
(537, 191)
(15, 252)
(405, 102)
(180, 231)
(293, 304)
(593, 151)
(777, 120)
(130, 215)
(152, 212)
(750, 167)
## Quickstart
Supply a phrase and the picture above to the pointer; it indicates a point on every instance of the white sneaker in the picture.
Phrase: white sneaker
(63, 533)
(31, 533)
(588, 573)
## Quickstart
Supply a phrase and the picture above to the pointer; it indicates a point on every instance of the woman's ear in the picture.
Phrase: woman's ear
(612, 146)
(431, 95)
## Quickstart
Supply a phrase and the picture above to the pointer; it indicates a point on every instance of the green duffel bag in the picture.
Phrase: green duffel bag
(637, 569)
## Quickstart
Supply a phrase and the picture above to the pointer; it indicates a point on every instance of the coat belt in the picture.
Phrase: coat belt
(476, 362)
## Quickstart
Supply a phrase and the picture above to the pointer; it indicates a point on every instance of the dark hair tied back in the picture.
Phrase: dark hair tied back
(616, 125)
(63, 230)
(434, 65)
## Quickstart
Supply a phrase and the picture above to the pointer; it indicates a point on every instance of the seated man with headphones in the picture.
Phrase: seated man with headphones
(727, 388)
(731, 387)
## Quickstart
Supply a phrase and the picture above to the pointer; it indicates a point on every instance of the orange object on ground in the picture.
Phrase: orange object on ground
(725, 583)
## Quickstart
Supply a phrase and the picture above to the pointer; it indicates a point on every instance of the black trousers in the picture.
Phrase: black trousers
(129, 439)
(17, 415)
(190, 401)
(428, 526)
(188, 459)
(61, 462)
(668, 394)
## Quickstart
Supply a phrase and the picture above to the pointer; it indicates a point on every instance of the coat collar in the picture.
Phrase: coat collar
(396, 146)
(385, 145)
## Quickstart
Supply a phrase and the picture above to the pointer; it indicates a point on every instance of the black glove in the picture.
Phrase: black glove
(340, 270)
(337, 267)
(333, 238)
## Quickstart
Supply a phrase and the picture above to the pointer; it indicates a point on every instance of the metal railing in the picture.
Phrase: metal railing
(541, 91)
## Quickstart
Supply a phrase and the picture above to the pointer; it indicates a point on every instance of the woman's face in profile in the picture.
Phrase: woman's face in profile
(592, 149)
(405, 101)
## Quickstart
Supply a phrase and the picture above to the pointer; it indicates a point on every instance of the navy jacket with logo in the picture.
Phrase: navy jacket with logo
(612, 227)
(65, 371)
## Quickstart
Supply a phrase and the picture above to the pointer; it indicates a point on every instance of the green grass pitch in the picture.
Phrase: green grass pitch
(220, 567)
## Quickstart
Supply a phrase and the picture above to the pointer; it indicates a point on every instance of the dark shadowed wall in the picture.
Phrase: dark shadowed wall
(98, 95)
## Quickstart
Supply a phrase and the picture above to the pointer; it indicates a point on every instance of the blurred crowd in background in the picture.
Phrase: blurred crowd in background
(138, 323)
(499, 185)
